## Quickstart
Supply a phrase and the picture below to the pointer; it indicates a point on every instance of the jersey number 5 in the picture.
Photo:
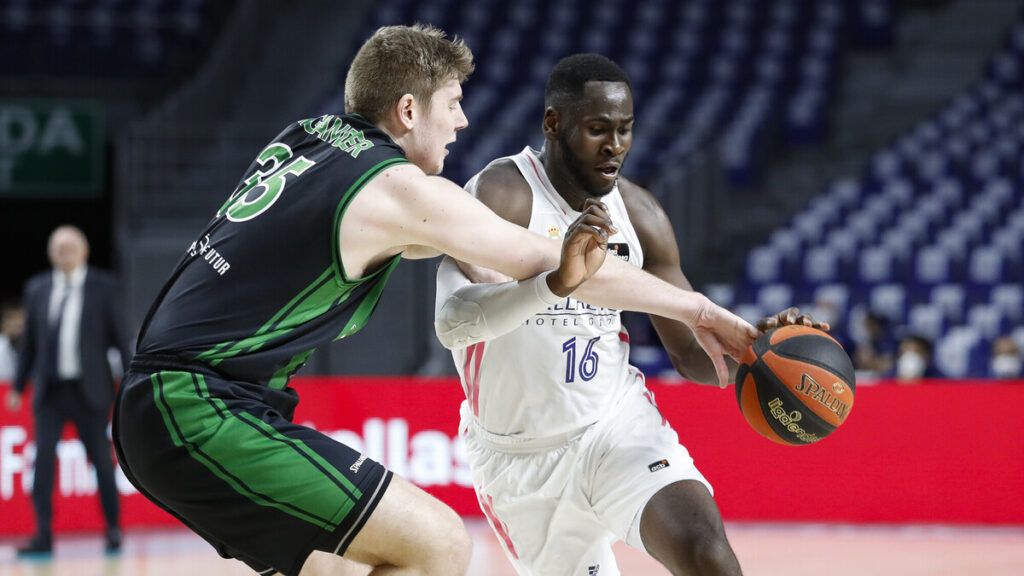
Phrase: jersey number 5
(264, 187)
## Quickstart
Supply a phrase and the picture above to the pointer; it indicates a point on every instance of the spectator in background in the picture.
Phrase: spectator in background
(12, 325)
(72, 318)
(914, 360)
(874, 350)
(1006, 359)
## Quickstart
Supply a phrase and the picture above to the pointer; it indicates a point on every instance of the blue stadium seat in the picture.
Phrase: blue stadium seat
(988, 320)
(927, 320)
(1010, 241)
(901, 245)
(932, 266)
(810, 225)
(877, 266)
(835, 295)
(764, 265)
(722, 294)
(979, 358)
(987, 266)
(1009, 299)
(951, 299)
(952, 352)
(821, 265)
(750, 312)
(889, 300)
(775, 297)
(899, 191)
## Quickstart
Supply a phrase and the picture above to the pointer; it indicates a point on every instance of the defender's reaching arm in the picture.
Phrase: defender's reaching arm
(402, 208)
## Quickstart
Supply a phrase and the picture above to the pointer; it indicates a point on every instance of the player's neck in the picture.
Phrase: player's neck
(561, 178)
(395, 135)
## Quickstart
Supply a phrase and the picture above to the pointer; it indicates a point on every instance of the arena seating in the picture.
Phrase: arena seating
(930, 235)
(118, 39)
(742, 75)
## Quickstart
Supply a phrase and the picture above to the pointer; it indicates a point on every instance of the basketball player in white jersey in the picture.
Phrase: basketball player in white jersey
(568, 451)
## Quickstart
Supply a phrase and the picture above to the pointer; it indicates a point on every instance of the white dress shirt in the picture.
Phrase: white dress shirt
(69, 362)
(8, 360)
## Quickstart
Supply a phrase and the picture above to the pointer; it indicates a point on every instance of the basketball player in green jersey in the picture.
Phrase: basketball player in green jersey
(297, 257)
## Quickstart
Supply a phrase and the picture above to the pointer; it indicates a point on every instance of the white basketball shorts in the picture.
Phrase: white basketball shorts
(558, 506)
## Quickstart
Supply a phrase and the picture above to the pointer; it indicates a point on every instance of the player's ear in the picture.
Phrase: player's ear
(551, 119)
(406, 110)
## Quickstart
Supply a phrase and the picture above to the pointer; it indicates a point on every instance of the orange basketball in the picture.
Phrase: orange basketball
(795, 385)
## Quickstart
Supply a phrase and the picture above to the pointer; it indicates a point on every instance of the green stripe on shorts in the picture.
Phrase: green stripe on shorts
(252, 457)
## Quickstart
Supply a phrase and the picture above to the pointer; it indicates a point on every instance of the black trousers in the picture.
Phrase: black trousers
(64, 401)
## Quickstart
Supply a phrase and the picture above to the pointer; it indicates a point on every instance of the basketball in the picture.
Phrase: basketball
(795, 385)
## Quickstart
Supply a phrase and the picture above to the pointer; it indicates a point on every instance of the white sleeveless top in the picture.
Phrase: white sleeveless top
(564, 367)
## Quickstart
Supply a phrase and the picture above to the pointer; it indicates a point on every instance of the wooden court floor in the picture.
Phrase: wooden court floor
(763, 550)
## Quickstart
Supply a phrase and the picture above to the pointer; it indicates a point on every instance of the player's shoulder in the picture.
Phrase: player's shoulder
(502, 188)
(639, 201)
(651, 223)
(400, 178)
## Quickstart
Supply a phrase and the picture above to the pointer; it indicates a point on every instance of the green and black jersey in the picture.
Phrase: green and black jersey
(263, 285)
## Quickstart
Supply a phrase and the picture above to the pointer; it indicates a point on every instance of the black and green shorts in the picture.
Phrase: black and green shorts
(225, 458)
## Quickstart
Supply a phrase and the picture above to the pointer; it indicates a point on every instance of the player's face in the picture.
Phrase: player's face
(442, 120)
(598, 136)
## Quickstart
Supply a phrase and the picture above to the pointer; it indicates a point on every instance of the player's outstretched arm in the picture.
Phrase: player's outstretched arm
(661, 258)
(406, 210)
(466, 313)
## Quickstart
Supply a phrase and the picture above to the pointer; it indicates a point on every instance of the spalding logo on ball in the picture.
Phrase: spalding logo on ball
(795, 385)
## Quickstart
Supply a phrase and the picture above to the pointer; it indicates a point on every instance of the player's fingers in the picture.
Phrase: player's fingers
(593, 211)
(823, 326)
(581, 233)
(597, 205)
(766, 324)
(713, 348)
(721, 368)
(805, 320)
(748, 334)
(597, 222)
(790, 315)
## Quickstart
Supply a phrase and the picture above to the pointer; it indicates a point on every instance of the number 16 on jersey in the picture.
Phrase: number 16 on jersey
(588, 364)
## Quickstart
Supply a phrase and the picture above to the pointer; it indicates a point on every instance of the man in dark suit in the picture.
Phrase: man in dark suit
(73, 318)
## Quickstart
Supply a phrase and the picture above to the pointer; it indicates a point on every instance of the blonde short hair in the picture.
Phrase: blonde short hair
(400, 60)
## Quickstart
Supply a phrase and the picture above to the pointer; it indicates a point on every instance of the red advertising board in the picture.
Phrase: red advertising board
(939, 452)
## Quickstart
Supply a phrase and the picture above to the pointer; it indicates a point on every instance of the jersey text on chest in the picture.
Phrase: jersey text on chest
(572, 313)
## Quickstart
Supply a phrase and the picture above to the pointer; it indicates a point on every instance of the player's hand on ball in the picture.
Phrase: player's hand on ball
(789, 317)
(583, 249)
(720, 332)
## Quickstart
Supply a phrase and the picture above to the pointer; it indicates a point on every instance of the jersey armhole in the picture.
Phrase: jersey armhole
(339, 270)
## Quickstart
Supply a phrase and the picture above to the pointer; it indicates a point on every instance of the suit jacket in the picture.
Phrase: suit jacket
(100, 329)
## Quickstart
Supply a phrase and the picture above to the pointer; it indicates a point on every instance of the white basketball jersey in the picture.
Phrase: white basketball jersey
(564, 367)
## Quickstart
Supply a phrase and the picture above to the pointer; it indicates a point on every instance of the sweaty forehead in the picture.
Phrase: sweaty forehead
(612, 99)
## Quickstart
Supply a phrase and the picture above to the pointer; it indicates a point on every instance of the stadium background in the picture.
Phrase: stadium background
(856, 158)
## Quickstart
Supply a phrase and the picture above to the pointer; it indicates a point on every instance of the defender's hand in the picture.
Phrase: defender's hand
(720, 332)
(789, 317)
(584, 248)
